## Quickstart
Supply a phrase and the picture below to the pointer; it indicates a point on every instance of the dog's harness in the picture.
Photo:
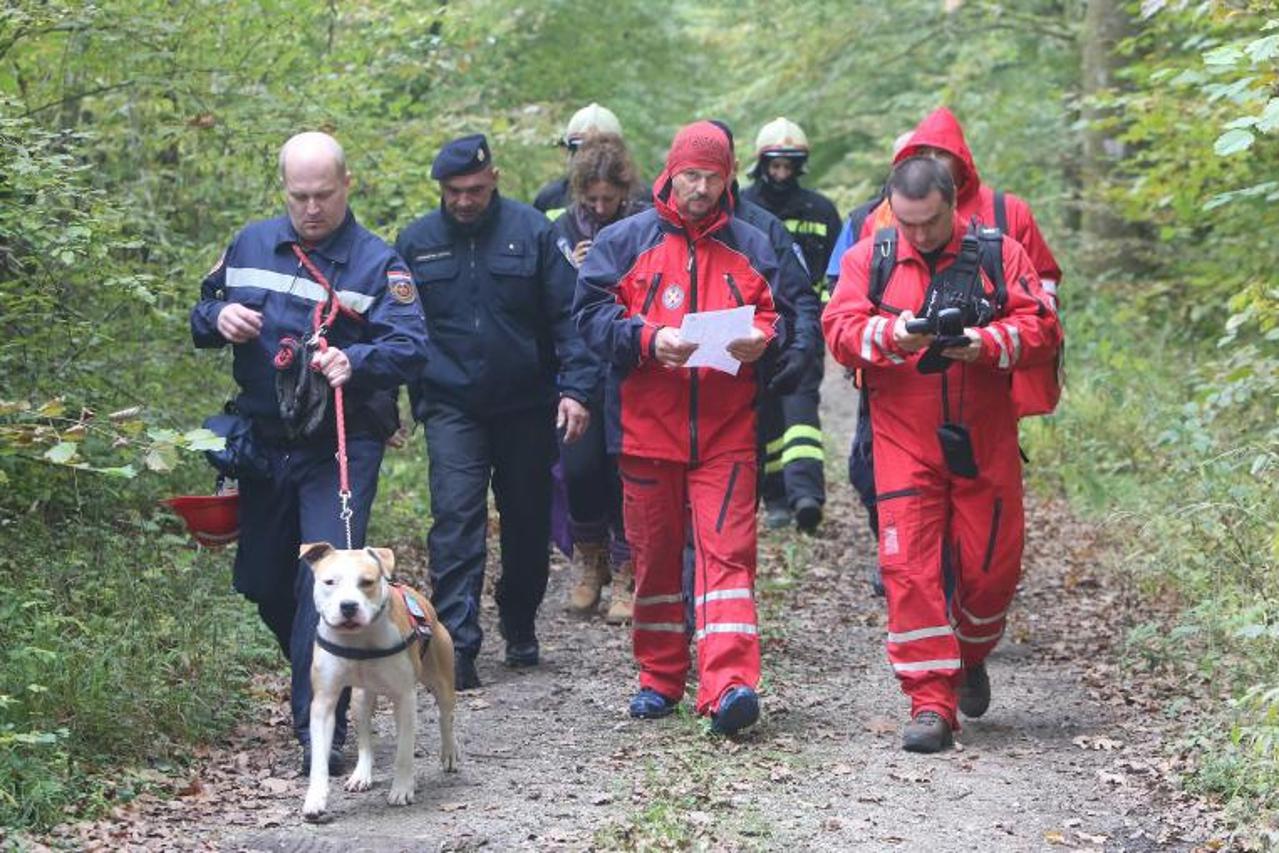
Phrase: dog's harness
(421, 632)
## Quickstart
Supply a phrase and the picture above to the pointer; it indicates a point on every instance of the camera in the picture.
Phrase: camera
(955, 300)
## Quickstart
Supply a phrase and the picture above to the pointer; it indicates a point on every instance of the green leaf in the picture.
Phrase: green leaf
(1263, 48)
(203, 439)
(126, 472)
(160, 458)
(1229, 54)
(1269, 119)
(1232, 142)
(61, 453)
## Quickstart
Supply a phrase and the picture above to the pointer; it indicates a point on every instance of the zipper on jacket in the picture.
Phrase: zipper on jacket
(692, 384)
(994, 533)
(732, 288)
(652, 293)
(475, 305)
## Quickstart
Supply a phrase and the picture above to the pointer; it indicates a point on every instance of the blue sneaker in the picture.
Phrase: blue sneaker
(648, 704)
(738, 708)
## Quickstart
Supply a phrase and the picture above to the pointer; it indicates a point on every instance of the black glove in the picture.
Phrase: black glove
(788, 372)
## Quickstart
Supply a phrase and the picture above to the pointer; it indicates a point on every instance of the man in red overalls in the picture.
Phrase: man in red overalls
(686, 436)
(947, 467)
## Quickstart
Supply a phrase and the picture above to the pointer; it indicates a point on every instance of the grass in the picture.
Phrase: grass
(121, 645)
(1178, 464)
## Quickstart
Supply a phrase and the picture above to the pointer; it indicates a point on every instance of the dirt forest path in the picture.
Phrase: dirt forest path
(1068, 757)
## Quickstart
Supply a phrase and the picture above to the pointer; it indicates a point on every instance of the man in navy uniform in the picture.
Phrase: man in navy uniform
(506, 368)
(262, 297)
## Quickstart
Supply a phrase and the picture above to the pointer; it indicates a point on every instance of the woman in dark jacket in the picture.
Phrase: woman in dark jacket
(602, 184)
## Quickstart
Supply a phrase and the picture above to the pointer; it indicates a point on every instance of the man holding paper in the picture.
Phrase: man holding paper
(685, 433)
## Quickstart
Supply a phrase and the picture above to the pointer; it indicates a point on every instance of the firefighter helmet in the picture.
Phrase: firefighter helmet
(591, 118)
(781, 137)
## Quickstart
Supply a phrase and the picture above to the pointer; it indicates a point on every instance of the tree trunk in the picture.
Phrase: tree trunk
(1111, 244)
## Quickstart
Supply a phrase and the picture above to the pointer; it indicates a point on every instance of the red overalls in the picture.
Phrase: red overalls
(924, 509)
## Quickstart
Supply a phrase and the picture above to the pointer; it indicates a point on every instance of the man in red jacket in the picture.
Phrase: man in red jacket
(947, 469)
(686, 436)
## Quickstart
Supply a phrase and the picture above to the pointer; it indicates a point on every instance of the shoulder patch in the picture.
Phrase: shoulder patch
(400, 285)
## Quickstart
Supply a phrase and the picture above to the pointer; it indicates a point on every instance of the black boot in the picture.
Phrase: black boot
(464, 675)
(928, 732)
(974, 694)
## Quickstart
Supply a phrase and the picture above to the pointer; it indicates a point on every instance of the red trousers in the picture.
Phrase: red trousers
(928, 519)
(721, 494)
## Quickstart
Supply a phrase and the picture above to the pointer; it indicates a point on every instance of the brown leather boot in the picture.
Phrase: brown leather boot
(592, 574)
(623, 604)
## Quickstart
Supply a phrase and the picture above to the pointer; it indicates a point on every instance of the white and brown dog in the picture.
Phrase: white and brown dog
(378, 639)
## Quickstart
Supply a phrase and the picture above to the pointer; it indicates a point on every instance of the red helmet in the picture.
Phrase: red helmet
(212, 520)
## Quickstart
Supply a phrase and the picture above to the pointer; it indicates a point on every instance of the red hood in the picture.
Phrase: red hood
(940, 129)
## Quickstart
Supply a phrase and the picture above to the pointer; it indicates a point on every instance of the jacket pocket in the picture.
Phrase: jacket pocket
(653, 285)
(898, 522)
(733, 289)
(995, 513)
(728, 496)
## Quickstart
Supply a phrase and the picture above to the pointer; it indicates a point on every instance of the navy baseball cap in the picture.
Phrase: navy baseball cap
(462, 156)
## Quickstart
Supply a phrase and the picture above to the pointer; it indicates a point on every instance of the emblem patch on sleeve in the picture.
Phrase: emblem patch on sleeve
(400, 286)
(673, 297)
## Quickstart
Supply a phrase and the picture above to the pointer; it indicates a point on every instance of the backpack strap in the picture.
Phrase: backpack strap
(883, 259)
(990, 248)
(1001, 212)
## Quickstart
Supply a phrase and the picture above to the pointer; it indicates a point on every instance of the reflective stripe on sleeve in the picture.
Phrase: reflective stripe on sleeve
(994, 335)
(919, 634)
(293, 285)
(1014, 335)
(868, 335)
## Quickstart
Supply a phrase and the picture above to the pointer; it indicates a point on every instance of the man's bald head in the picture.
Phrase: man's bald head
(313, 171)
(313, 147)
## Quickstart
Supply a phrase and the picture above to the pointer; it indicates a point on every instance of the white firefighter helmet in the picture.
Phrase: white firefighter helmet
(781, 137)
(591, 118)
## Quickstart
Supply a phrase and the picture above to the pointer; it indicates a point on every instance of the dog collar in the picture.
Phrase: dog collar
(352, 653)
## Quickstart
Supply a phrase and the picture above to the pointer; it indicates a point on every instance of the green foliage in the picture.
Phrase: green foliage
(120, 645)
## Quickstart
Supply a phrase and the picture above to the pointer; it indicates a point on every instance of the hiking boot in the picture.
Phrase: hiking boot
(464, 675)
(974, 693)
(522, 653)
(876, 575)
(648, 704)
(592, 574)
(808, 514)
(777, 517)
(928, 733)
(337, 763)
(738, 708)
(621, 607)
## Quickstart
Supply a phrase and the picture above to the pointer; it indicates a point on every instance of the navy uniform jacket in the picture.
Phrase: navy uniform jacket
(260, 270)
(809, 216)
(497, 295)
(796, 300)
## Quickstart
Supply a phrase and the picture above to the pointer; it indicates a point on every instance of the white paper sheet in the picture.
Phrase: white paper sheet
(713, 331)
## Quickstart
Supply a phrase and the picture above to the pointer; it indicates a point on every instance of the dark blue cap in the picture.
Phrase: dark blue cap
(462, 156)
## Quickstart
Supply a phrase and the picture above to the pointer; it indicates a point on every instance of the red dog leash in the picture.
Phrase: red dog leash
(322, 324)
